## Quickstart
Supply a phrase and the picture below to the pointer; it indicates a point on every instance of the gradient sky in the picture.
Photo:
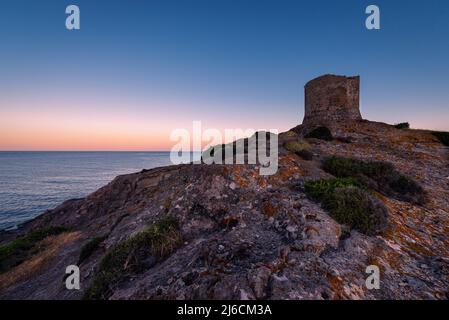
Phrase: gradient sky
(139, 69)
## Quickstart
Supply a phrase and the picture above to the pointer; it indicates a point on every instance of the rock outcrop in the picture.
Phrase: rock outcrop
(247, 236)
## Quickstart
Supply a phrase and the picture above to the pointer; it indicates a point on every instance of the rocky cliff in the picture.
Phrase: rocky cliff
(225, 232)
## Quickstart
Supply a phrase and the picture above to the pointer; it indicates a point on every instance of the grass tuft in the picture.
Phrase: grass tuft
(297, 145)
(16, 251)
(134, 255)
(300, 147)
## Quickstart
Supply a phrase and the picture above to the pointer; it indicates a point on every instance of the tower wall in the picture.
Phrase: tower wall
(330, 99)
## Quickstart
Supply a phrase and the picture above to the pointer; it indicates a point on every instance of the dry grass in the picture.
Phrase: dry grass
(39, 261)
(159, 240)
(297, 145)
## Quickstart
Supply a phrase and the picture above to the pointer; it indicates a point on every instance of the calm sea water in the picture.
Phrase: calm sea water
(32, 182)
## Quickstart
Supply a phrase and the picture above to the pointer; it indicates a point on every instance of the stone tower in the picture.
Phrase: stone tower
(330, 99)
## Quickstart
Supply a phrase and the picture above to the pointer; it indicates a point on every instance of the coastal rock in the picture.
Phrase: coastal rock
(224, 232)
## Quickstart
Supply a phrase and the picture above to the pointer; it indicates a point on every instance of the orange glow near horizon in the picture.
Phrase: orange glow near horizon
(109, 126)
(82, 134)
(93, 129)
(46, 131)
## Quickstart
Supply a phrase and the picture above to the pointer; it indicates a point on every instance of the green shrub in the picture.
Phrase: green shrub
(442, 136)
(130, 256)
(404, 185)
(89, 248)
(356, 208)
(322, 133)
(16, 251)
(320, 189)
(378, 175)
(297, 145)
(348, 203)
(342, 167)
(402, 125)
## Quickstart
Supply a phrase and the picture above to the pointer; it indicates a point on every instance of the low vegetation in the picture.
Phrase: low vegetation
(319, 189)
(347, 197)
(300, 147)
(89, 248)
(358, 209)
(291, 134)
(297, 145)
(377, 175)
(134, 255)
(16, 251)
(349, 204)
(322, 133)
(402, 125)
(442, 136)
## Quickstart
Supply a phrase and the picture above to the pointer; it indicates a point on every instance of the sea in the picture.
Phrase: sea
(33, 182)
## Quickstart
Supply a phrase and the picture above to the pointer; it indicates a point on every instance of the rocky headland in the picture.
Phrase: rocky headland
(347, 194)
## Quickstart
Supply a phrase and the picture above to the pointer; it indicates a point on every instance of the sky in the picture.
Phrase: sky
(137, 70)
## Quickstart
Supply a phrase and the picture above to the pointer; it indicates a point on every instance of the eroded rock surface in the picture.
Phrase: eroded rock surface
(245, 236)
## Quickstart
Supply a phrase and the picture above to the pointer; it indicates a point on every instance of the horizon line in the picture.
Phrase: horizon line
(93, 151)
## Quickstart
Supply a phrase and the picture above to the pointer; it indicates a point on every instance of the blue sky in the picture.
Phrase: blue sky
(160, 65)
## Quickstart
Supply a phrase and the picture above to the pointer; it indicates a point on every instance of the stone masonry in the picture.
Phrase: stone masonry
(330, 99)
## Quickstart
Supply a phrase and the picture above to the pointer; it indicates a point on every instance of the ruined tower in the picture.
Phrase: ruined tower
(330, 99)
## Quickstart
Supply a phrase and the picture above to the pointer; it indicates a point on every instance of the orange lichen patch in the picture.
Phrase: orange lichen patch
(412, 136)
(420, 249)
(239, 175)
(287, 168)
(255, 174)
(380, 257)
(404, 139)
(262, 182)
(38, 262)
(268, 209)
(404, 220)
(394, 260)
(287, 172)
(336, 284)
(287, 160)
